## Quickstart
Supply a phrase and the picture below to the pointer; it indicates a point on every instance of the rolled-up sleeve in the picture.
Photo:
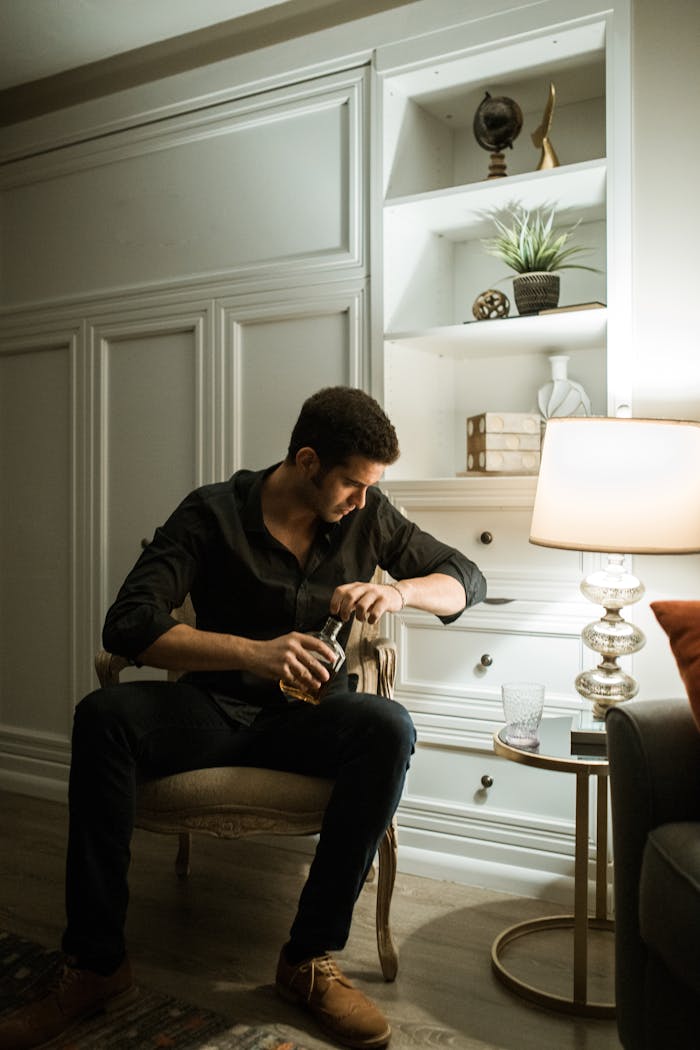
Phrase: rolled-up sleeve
(408, 551)
(158, 583)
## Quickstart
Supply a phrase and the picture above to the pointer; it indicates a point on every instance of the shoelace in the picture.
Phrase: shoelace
(323, 965)
(62, 981)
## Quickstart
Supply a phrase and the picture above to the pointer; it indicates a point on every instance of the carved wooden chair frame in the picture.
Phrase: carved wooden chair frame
(236, 802)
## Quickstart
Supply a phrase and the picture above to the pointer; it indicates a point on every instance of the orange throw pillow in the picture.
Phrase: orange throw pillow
(681, 622)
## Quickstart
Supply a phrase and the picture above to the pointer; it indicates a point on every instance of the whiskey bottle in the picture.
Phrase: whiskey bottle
(328, 634)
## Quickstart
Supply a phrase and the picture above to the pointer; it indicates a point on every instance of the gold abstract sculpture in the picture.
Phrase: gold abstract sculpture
(540, 136)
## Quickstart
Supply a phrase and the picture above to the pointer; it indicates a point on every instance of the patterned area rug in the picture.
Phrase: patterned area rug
(151, 1022)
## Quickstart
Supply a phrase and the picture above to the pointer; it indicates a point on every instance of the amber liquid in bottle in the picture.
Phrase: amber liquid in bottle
(328, 635)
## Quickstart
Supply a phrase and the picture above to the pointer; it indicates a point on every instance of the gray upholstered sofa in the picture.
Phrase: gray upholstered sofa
(654, 752)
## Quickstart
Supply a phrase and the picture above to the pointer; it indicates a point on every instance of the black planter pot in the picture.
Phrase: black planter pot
(536, 291)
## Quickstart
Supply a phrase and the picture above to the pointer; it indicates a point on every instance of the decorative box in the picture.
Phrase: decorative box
(503, 443)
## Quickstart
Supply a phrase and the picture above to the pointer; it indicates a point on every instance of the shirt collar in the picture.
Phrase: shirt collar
(251, 502)
(251, 507)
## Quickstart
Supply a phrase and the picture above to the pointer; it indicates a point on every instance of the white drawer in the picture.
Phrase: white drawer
(469, 660)
(495, 539)
(469, 783)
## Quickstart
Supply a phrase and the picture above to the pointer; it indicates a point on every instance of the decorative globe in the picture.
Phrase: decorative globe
(497, 123)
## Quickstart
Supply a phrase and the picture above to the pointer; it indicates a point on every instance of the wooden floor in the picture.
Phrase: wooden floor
(213, 939)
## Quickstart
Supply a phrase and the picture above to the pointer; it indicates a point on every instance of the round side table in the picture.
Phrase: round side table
(555, 752)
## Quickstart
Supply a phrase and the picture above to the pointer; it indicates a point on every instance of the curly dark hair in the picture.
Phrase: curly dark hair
(342, 421)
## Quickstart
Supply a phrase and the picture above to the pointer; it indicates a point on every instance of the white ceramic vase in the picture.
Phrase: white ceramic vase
(562, 396)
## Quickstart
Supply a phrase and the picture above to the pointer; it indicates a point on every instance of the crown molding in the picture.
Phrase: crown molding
(237, 36)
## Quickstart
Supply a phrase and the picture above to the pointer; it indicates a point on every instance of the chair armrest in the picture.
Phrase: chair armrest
(654, 752)
(384, 655)
(372, 659)
(109, 667)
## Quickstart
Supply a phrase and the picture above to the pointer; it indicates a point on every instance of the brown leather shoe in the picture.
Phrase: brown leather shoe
(73, 996)
(340, 1009)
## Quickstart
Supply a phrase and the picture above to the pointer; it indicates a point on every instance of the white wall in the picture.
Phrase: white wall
(666, 274)
(666, 210)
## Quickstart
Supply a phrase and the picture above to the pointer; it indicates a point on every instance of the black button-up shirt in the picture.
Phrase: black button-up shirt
(243, 581)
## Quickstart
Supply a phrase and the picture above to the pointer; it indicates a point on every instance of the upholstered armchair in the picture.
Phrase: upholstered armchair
(235, 802)
(654, 755)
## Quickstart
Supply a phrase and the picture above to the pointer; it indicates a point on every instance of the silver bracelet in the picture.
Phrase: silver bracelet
(400, 593)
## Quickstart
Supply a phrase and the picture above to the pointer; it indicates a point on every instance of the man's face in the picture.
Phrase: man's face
(342, 489)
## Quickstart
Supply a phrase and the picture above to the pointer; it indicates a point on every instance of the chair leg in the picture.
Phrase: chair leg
(388, 852)
(184, 849)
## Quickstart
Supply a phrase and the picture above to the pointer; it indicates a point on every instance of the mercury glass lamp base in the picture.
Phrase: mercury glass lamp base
(613, 587)
(604, 686)
(611, 636)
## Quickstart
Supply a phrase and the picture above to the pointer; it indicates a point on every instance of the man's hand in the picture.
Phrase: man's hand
(292, 658)
(368, 601)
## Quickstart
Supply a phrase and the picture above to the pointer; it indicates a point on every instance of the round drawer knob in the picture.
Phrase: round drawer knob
(486, 781)
(486, 538)
(486, 660)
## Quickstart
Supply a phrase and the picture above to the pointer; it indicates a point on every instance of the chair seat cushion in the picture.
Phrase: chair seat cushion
(669, 901)
(233, 801)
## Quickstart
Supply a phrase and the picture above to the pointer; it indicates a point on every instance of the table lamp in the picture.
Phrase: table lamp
(617, 486)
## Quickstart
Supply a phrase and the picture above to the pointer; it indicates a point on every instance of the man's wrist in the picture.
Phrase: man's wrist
(401, 595)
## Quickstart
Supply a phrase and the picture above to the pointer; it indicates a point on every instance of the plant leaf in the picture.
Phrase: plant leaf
(527, 241)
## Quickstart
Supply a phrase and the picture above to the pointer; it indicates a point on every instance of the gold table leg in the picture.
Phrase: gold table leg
(580, 921)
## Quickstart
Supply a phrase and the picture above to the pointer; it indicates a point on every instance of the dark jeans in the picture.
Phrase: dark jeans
(136, 731)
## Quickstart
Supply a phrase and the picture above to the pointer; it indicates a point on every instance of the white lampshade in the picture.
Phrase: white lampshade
(627, 486)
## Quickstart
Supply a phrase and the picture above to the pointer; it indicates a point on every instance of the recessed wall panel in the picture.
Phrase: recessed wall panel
(282, 361)
(35, 540)
(150, 454)
(262, 189)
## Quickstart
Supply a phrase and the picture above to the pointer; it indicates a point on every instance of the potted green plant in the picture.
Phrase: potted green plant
(527, 242)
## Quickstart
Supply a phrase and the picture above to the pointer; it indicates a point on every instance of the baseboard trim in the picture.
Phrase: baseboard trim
(48, 784)
(468, 871)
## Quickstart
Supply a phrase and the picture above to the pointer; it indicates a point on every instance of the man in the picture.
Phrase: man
(265, 557)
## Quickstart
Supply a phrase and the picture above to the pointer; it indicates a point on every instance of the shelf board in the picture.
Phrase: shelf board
(461, 212)
(573, 329)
